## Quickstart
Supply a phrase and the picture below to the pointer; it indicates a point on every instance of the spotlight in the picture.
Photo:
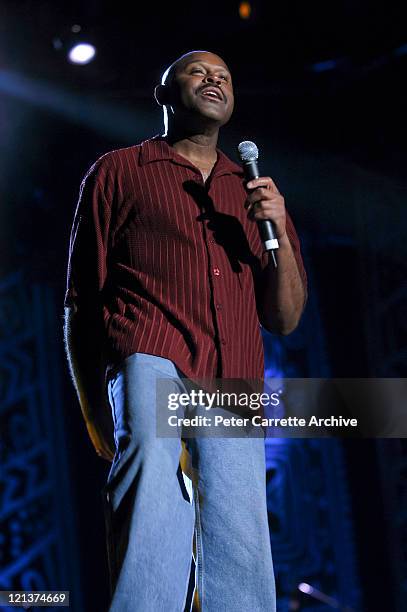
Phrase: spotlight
(81, 53)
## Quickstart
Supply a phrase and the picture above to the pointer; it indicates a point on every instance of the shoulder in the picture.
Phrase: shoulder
(131, 157)
(116, 161)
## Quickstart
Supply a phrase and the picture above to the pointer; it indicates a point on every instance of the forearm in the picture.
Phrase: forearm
(83, 344)
(281, 293)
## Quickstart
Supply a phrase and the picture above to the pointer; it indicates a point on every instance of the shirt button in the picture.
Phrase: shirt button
(223, 341)
(218, 306)
(216, 271)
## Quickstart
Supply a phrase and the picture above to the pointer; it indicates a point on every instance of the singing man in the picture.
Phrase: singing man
(167, 278)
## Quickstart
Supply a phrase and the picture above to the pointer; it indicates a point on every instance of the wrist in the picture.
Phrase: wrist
(284, 241)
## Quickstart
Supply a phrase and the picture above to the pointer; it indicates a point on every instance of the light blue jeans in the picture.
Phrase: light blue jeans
(153, 524)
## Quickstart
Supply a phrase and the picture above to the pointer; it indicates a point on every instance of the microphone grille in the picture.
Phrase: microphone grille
(248, 151)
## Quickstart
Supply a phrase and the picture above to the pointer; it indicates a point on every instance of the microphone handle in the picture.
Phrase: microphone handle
(266, 227)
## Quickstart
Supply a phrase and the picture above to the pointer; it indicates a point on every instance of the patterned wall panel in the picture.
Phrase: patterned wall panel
(310, 522)
(307, 490)
(37, 543)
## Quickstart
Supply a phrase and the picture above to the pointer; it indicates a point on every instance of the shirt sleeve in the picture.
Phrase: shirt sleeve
(89, 239)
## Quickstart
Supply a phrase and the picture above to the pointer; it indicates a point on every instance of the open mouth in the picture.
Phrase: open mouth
(212, 93)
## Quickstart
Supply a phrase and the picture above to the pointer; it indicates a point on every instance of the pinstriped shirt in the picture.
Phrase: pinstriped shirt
(171, 261)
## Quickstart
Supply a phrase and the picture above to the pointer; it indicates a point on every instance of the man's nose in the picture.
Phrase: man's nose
(212, 78)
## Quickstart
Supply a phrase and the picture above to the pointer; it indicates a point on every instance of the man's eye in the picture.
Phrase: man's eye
(196, 70)
(224, 77)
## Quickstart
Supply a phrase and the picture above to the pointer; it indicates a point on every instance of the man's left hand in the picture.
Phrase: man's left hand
(264, 201)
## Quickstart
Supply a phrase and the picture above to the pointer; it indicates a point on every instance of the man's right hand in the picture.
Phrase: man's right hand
(102, 439)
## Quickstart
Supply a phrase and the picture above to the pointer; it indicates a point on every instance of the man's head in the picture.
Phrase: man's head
(197, 91)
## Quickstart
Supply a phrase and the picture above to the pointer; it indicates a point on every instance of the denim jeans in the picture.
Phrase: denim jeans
(154, 524)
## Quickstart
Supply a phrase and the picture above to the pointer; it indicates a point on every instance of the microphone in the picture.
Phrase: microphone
(249, 154)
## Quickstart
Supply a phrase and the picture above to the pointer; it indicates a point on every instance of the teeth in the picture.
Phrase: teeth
(211, 93)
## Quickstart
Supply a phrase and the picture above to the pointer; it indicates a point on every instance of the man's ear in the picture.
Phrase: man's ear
(162, 94)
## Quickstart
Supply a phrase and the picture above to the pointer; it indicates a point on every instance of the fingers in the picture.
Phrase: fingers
(260, 206)
(104, 450)
(263, 181)
(100, 444)
(264, 201)
(266, 204)
(275, 214)
(106, 454)
(261, 194)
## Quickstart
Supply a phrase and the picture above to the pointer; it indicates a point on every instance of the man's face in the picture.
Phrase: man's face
(202, 84)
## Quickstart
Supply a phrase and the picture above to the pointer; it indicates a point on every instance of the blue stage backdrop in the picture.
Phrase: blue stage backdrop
(38, 544)
(308, 500)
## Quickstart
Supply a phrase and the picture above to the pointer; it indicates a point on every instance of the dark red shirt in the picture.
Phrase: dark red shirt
(171, 261)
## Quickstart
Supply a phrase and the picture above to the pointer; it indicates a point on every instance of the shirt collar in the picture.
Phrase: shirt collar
(157, 149)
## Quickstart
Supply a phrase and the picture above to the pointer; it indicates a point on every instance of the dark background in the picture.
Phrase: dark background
(321, 88)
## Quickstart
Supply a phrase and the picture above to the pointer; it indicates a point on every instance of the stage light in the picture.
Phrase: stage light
(245, 10)
(82, 53)
(305, 588)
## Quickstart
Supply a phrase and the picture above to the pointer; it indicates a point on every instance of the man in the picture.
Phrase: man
(167, 279)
